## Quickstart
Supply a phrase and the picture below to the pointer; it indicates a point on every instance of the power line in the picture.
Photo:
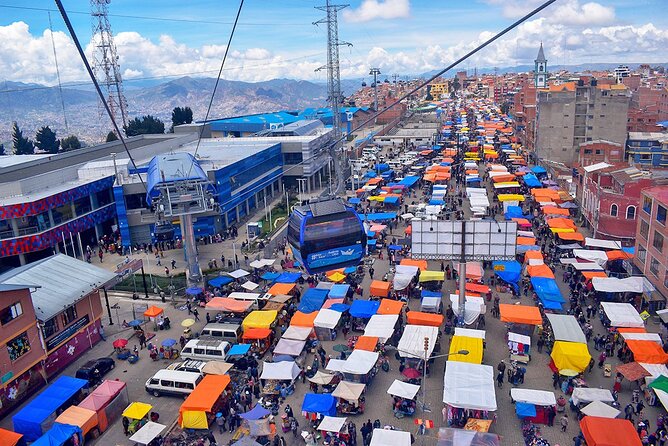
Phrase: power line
(60, 85)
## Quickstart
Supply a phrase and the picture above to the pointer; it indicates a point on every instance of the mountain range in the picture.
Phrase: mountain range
(34, 105)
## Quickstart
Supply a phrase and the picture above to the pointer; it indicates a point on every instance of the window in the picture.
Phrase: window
(598, 151)
(69, 315)
(200, 351)
(292, 158)
(658, 241)
(642, 254)
(665, 280)
(211, 352)
(166, 383)
(613, 210)
(645, 157)
(647, 204)
(644, 229)
(661, 215)
(18, 346)
(10, 313)
(631, 213)
(50, 327)
(587, 152)
(654, 266)
(154, 381)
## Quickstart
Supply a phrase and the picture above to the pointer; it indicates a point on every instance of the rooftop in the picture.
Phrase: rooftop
(648, 136)
(659, 193)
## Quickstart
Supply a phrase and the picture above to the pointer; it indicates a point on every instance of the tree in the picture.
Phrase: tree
(181, 115)
(455, 84)
(145, 125)
(111, 136)
(46, 140)
(429, 97)
(2, 150)
(70, 143)
(22, 145)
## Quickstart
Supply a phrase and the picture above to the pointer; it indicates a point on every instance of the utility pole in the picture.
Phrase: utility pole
(375, 72)
(334, 85)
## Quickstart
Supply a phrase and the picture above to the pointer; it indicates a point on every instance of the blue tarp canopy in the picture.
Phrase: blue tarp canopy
(531, 180)
(222, 281)
(364, 308)
(340, 307)
(370, 174)
(436, 202)
(354, 200)
(382, 167)
(322, 403)
(391, 200)
(350, 270)
(521, 249)
(427, 293)
(513, 212)
(524, 410)
(630, 250)
(288, 277)
(538, 170)
(312, 300)
(338, 290)
(409, 181)
(239, 349)
(509, 271)
(58, 435)
(380, 216)
(547, 289)
(269, 276)
(371, 242)
(255, 413)
(28, 421)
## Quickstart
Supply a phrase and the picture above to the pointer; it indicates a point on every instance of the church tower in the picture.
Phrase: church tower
(540, 69)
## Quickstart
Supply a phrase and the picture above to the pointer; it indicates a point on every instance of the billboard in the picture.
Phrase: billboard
(484, 240)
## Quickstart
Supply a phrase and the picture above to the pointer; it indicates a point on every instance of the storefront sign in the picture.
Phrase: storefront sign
(69, 351)
(66, 333)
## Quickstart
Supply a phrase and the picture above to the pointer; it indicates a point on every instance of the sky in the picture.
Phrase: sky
(277, 38)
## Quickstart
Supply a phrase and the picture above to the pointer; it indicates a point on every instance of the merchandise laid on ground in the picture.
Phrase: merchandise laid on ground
(540, 344)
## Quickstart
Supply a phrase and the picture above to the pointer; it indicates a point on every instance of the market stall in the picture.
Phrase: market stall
(379, 288)
(599, 431)
(381, 326)
(404, 398)
(298, 333)
(620, 314)
(533, 404)
(84, 419)
(9, 438)
(108, 400)
(521, 319)
(350, 398)
(569, 357)
(474, 345)
(333, 427)
(259, 339)
(468, 392)
(289, 347)
(199, 409)
(137, 414)
(519, 347)
(431, 302)
(147, 433)
(59, 435)
(387, 437)
(412, 342)
(585, 395)
(566, 328)
(325, 324)
(300, 319)
(390, 306)
(361, 311)
(277, 380)
(260, 319)
(360, 366)
(420, 318)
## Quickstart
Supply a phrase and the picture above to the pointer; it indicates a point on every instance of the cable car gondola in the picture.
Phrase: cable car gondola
(326, 235)
(163, 231)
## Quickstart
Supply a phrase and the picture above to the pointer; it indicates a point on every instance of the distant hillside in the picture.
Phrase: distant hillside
(33, 106)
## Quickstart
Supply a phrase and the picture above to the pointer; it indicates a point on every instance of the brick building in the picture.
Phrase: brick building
(600, 151)
(651, 242)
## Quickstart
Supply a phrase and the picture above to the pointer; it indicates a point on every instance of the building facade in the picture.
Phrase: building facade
(648, 149)
(651, 245)
(600, 151)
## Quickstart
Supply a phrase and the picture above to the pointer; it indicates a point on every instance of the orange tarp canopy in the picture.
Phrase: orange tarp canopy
(302, 319)
(560, 222)
(617, 254)
(368, 343)
(520, 314)
(205, 395)
(545, 193)
(408, 230)
(374, 181)
(422, 264)
(227, 304)
(329, 302)
(503, 178)
(86, 419)
(591, 274)
(256, 333)
(420, 318)
(532, 255)
(599, 431)
(389, 306)
(281, 288)
(521, 221)
(153, 311)
(571, 236)
(552, 210)
(477, 288)
(528, 241)
(647, 351)
(540, 271)
(631, 330)
(9, 438)
(380, 288)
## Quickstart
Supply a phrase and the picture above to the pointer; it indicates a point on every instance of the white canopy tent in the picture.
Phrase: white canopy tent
(519, 338)
(614, 285)
(469, 386)
(381, 326)
(600, 409)
(290, 347)
(403, 390)
(598, 243)
(262, 263)
(403, 276)
(411, 344)
(297, 333)
(599, 257)
(360, 362)
(622, 314)
(566, 328)
(474, 306)
(147, 433)
(387, 437)
(642, 337)
(531, 396)
(469, 333)
(239, 273)
(250, 286)
(584, 266)
(327, 318)
(281, 371)
(663, 314)
(430, 304)
(332, 424)
(589, 394)
(244, 296)
(655, 370)
(325, 285)
(348, 391)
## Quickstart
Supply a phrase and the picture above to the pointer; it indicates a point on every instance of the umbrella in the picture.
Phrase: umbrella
(135, 323)
(340, 348)
(195, 290)
(188, 322)
(168, 342)
(120, 343)
(411, 373)
(569, 372)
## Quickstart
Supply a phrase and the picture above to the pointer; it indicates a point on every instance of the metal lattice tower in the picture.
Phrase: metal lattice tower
(334, 85)
(105, 61)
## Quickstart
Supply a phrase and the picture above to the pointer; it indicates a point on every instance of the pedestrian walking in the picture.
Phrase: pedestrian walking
(126, 426)
(551, 413)
(101, 332)
(564, 422)
(220, 422)
(294, 426)
(499, 379)
(196, 314)
(601, 359)
(173, 264)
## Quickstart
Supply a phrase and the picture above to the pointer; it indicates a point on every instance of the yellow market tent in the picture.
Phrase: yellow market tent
(137, 410)
(427, 276)
(570, 356)
(260, 319)
(511, 197)
(473, 345)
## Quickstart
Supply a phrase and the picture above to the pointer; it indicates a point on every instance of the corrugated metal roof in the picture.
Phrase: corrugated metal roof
(62, 281)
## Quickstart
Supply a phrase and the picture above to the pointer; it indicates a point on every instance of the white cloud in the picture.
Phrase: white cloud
(378, 9)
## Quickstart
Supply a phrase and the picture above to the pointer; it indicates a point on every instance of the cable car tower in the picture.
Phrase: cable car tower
(178, 187)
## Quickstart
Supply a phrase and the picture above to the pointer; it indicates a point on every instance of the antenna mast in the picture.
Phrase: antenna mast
(105, 61)
(337, 152)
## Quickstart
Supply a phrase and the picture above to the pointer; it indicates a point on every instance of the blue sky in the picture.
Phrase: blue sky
(277, 38)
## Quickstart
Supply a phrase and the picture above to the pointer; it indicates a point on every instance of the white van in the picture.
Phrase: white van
(189, 365)
(172, 382)
(225, 332)
(206, 349)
